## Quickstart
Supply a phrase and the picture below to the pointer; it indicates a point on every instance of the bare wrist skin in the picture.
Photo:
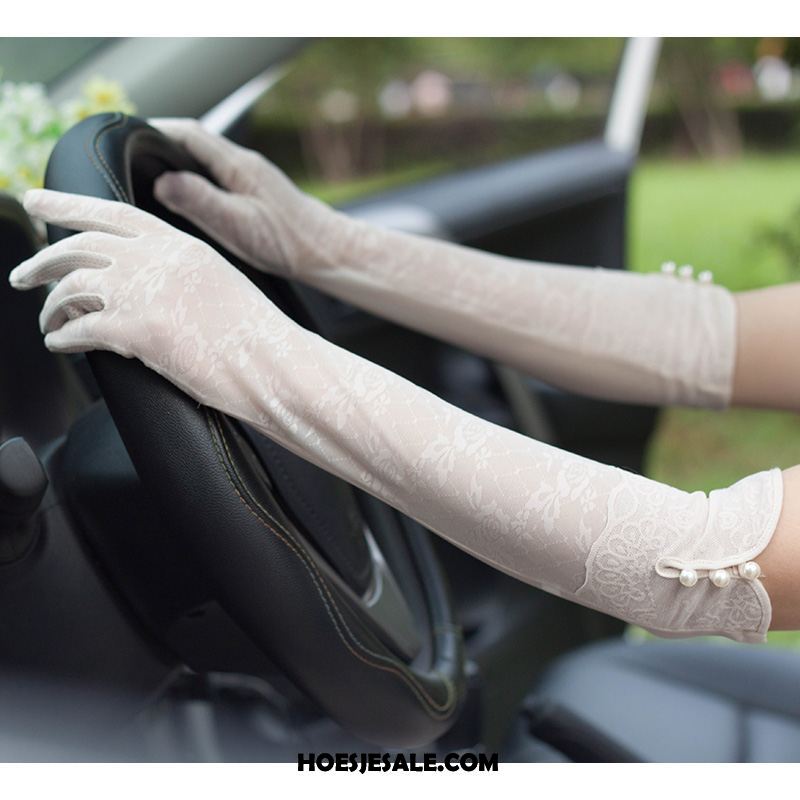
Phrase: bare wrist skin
(768, 333)
(780, 561)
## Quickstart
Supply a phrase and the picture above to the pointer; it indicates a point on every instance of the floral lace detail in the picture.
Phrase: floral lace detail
(653, 531)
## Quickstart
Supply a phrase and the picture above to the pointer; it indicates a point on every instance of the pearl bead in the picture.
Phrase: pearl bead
(688, 577)
(685, 272)
(706, 276)
(720, 578)
(750, 570)
(669, 267)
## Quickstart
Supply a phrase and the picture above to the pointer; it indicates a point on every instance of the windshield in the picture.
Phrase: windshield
(43, 59)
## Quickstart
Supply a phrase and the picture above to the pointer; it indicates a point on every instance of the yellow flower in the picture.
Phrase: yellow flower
(101, 94)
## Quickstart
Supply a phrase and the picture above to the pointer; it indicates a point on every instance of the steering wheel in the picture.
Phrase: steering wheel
(342, 592)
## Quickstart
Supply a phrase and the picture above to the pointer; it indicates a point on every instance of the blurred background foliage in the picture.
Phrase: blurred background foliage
(354, 108)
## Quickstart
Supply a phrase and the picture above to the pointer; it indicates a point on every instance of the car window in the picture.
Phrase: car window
(43, 60)
(355, 116)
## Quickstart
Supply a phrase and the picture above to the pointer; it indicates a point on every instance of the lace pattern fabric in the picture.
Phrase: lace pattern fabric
(654, 528)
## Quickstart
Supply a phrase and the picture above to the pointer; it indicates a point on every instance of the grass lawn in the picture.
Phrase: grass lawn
(712, 216)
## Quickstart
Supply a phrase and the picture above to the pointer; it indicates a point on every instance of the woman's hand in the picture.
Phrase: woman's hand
(133, 284)
(256, 212)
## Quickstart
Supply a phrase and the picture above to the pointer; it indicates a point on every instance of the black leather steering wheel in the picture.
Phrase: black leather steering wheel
(344, 593)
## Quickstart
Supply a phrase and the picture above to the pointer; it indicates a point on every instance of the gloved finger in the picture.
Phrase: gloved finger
(227, 162)
(78, 294)
(79, 213)
(218, 213)
(87, 332)
(90, 250)
(192, 196)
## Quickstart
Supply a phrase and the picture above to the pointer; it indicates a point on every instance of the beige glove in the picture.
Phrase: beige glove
(676, 563)
(654, 339)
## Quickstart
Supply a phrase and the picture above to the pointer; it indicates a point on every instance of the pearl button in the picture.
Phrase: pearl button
(720, 578)
(685, 272)
(750, 570)
(669, 267)
(688, 577)
(706, 276)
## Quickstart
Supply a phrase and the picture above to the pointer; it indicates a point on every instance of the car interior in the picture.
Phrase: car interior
(176, 587)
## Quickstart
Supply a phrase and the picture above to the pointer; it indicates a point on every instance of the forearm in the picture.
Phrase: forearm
(646, 339)
(591, 533)
(652, 339)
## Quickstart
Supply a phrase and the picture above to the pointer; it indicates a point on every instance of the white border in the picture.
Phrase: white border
(264, 781)
(406, 18)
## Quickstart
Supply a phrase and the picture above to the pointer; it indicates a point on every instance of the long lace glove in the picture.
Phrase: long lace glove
(653, 339)
(676, 563)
